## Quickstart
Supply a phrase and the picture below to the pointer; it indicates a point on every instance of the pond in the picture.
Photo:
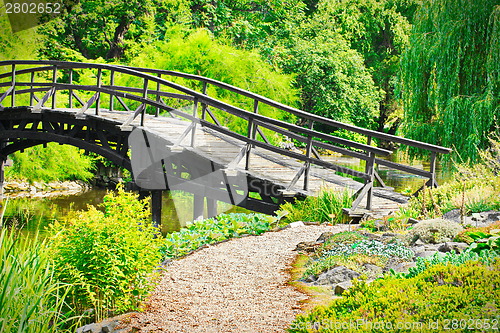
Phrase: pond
(36, 214)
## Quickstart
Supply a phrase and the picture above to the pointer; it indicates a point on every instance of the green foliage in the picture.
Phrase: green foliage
(379, 31)
(434, 231)
(199, 53)
(31, 298)
(371, 248)
(441, 293)
(208, 231)
(471, 235)
(50, 164)
(326, 207)
(354, 262)
(473, 188)
(109, 257)
(99, 29)
(450, 75)
(20, 45)
(333, 79)
(486, 257)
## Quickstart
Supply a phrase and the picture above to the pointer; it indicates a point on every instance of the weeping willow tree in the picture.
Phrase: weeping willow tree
(450, 75)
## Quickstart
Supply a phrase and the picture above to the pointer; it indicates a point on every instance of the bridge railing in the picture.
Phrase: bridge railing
(61, 84)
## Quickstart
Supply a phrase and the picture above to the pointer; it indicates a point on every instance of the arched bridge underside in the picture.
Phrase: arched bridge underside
(165, 128)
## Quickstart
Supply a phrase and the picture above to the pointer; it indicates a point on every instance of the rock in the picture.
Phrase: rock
(458, 247)
(373, 269)
(336, 275)
(307, 246)
(324, 237)
(453, 215)
(341, 287)
(426, 254)
(411, 220)
(310, 278)
(490, 216)
(419, 242)
(296, 224)
(403, 267)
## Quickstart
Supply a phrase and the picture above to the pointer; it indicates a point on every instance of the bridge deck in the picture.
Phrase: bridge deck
(264, 164)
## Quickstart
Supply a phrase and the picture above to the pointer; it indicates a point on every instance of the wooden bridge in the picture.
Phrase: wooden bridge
(96, 107)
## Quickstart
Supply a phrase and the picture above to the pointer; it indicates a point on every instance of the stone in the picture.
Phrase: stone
(457, 247)
(336, 275)
(296, 224)
(490, 216)
(324, 237)
(341, 287)
(411, 220)
(426, 254)
(311, 278)
(307, 246)
(419, 242)
(373, 269)
(453, 215)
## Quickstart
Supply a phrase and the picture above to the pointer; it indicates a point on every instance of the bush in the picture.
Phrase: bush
(326, 207)
(434, 231)
(212, 230)
(486, 257)
(444, 295)
(109, 257)
(31, 298)
(372, 248)
(54, 163)
(470, 235)
(354, 262)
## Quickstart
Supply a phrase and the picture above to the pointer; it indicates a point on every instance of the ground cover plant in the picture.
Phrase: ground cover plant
(212, 230)
(326, 207)
(109, 257)
(443, 297)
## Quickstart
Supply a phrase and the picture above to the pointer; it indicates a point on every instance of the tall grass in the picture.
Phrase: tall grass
(31, 299)
(326, 207)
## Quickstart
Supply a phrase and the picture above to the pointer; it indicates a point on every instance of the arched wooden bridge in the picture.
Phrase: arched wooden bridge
(96, 107)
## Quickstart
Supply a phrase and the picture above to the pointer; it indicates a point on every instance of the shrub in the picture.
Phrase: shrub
(434, 231)
(31, 298)
(54, 163)
(354, 262)
(209, 231)
(486, 257)
(372, 248)
(443, 295)
(326, 207)
(109, 256)
(470, 235)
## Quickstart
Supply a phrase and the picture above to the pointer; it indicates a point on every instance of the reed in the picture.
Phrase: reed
(31, 299)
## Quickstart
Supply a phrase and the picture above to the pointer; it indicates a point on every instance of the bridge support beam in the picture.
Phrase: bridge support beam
(198, 206)
(211, 207)
(156, 203)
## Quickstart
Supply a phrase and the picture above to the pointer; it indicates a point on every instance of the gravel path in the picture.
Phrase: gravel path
(236, 286)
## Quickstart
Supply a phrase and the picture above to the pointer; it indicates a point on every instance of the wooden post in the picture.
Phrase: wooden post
(145, 96)
(308, 155)
(433, 182)
(70, 90)
(32, 94)
(370, 164)
(13, 98)
(54, 81)
(198, 206)
(211, 207)
(158, 97)
(156, 204)
(112, 97)
(2, 169)
(99, 83)
(203, 105)
(195, 114)
(252, 132)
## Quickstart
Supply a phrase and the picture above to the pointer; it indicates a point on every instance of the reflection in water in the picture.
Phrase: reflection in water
(36, 214)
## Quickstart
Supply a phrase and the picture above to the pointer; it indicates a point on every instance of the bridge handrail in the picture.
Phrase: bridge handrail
(298, 112)
(254, 119)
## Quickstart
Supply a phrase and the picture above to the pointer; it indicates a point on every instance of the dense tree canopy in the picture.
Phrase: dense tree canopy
(450, 74)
